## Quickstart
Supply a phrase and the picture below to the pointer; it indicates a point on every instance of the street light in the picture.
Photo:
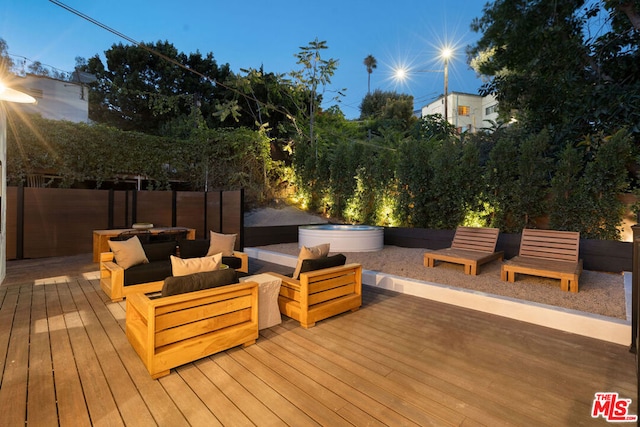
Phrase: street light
(445, 54)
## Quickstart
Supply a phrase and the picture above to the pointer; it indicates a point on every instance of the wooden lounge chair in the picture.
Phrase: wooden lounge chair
(170, 331)
(320, 294)
(471, 246)
(547, 253)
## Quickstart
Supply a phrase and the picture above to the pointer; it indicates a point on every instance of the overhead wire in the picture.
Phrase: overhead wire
(165, 57)
(175, 62)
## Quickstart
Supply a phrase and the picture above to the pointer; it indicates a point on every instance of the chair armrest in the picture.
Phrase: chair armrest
(286, 280)
(106, 256)
(244, 267)
(357, 268)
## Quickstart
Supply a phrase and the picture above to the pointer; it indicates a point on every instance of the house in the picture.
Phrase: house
(466, 111)
(55, 99)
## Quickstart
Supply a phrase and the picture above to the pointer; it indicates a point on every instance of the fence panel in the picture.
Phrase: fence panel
(61, 221)
(49, 222)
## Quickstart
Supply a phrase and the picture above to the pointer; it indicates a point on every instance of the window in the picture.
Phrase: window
(464, 110)
(492, 109)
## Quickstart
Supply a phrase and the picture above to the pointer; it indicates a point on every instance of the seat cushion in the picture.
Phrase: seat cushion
(193, 248)
(159, 251)
(321, 263)
(232, 261)
(144, 273)
(198, 281)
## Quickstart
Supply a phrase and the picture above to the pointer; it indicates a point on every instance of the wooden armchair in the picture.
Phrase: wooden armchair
(320, 294)
(170, 331)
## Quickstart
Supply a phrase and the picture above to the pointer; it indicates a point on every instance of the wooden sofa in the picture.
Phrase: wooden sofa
(170, 331)
(471, 246)
(320, 294)
(547, 253)
(113, 284)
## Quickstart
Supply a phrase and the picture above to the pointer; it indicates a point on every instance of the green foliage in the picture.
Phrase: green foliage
(143, 87)
(517, 176)
(210, 158)
(585, 197)
(435, 190)
(555, 65)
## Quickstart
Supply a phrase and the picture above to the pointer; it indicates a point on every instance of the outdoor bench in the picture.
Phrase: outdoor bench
(547, 253)
(471, 246)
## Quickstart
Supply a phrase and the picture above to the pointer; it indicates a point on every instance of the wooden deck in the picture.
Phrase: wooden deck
(399, 360)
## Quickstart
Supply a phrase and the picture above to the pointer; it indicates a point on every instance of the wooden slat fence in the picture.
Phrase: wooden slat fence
(53, 222)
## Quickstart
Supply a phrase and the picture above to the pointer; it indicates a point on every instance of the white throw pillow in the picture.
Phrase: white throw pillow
(128, 253)
(186, 266)
(224, 243)
(313, 252)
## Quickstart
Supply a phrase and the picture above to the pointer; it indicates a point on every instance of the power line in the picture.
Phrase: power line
(130, 40)
(171, 60)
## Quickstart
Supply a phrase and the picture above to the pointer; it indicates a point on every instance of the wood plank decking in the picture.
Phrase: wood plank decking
(399, 360)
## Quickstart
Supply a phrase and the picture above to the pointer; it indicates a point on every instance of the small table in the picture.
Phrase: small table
(101, 237)
(268, 291)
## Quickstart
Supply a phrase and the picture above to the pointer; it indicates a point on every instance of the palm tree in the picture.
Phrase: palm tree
(371, 63)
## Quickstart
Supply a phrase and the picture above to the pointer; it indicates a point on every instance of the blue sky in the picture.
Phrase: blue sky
(251, 33)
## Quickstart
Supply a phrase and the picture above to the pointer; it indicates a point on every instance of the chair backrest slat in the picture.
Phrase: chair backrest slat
(550, 244)
(476, 238)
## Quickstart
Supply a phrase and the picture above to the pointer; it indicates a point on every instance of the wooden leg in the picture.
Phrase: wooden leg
(428, 261)
(471, 269)
(573, 285)
(503, 274)
(564, 284)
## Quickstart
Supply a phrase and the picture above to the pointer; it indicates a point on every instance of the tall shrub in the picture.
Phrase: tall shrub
(517, 176)
(586, 199)
(434, 189)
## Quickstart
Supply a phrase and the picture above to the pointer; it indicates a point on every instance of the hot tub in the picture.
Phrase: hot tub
(342, 238)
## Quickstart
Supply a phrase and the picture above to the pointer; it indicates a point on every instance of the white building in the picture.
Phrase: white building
(56, 99)
(466, 111)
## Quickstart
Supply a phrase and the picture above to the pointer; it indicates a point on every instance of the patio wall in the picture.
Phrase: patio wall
(48, 222)
(598, 255)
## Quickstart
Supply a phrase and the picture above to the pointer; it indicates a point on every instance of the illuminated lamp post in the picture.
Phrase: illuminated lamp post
(446, 54)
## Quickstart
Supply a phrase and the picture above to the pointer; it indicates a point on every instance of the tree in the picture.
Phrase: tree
(557, 66)
(144, 87)
(6, 63)
(387, 110)
(371, 63)
(315, 72)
